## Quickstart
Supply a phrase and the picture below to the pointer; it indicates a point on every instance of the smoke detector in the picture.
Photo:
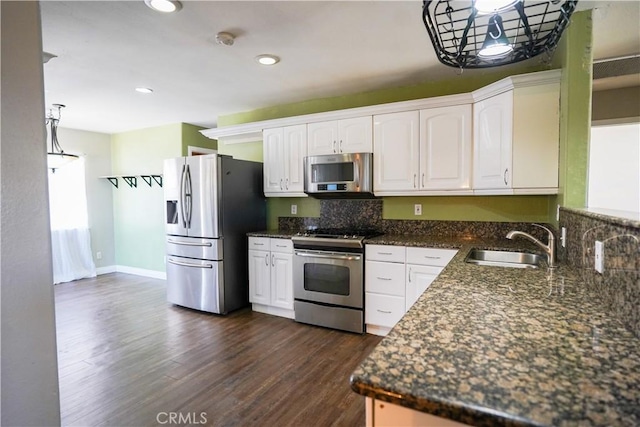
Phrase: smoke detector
(225, 38)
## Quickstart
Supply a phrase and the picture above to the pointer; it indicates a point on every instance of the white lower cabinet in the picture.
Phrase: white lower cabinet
(384, 414)
(271, 276)
(395, 277)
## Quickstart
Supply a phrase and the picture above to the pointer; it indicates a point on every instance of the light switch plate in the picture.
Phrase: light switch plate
(417, 209)
(599, 257)
(294, 209)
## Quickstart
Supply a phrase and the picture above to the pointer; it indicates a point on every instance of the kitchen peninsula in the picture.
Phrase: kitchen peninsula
(494, 346)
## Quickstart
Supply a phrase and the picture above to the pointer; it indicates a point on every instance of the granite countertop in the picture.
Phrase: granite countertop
(494, 346)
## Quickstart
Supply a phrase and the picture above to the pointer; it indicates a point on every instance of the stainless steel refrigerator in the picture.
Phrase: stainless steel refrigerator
(211, 203)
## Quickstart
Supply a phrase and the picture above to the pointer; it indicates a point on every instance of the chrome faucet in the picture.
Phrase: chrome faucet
(549, 249)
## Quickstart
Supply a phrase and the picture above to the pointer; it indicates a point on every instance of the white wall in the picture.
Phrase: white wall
(96, 148)
(29, 384)
(614, 167)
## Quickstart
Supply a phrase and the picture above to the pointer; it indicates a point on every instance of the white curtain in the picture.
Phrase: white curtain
(70, 239)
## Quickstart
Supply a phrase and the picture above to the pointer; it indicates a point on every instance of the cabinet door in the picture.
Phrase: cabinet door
(419, 277)
(322, 138)
(395, 151)
(282, 280)
(492, 135)
(273, 149)
(536, 142)
(259, 277)
(445, 148)
(295, 150)
(355, 135)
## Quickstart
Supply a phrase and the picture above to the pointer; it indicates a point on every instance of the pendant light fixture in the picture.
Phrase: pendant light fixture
(490, 33)
(495, 44)
(56, 158)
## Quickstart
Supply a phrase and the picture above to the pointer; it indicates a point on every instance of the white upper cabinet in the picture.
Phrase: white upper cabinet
(422, 152)
(396, 160)
(508, 144)
(445, 148)
(284, 152)
(340, 136)
(516, 132)
(492, 131)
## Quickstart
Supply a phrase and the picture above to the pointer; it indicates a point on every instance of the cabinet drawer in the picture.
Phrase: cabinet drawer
(383, 310)
(430, 256)
(385, 253)
(384, 278)
(259, 243)
(282, 245)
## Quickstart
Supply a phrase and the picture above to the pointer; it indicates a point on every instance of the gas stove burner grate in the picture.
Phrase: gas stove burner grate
(341, 232)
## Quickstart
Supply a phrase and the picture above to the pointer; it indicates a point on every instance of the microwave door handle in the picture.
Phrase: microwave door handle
(357, 173)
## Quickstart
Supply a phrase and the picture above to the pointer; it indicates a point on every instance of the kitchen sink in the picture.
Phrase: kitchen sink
(504, 259)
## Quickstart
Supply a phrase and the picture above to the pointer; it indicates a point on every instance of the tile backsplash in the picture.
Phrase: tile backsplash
(618, 287)
(367, 214)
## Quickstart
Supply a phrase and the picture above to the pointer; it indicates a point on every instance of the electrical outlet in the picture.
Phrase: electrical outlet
(563, 237)
(599, 257)
(98, 255)
(294, 209)
(417, 209)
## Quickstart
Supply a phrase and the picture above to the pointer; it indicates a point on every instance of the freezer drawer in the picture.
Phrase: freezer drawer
(196, 284)
(195, 247)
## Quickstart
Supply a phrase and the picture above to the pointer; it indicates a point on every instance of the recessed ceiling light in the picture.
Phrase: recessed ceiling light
(144, 90)
(267, 59)
(166, 6)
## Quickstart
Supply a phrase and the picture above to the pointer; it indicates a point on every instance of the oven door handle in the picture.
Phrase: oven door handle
(329, 256)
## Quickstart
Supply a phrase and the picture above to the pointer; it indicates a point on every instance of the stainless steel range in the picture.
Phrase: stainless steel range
(328, 278)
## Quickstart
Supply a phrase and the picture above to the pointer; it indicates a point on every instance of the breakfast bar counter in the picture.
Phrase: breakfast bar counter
(492, 346)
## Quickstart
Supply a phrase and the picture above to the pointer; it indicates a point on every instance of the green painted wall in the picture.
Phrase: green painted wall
(575, 57)
(191, 136)
(468, 82)
(247, 151)
(138, 215)
(281, 206)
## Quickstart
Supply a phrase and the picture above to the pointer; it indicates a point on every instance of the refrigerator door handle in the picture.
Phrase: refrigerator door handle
(188, 264)
(175, 242)
(182, 198)
(188, 196)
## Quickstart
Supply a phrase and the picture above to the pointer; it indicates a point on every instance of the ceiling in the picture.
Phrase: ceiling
(105, 49)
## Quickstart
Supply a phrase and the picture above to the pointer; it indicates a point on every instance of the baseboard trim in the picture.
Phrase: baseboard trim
(105, 270)
(141, 272)
(274, 311)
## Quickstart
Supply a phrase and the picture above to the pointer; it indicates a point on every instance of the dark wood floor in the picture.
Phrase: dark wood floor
(126, 357)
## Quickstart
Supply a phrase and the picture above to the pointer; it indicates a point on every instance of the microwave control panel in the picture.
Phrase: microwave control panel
(332, 187)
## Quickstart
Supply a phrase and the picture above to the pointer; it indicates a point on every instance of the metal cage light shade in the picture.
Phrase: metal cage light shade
(56, 158)
(459, 30)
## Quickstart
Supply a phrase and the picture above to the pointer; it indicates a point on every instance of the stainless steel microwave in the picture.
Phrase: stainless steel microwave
(339, 175)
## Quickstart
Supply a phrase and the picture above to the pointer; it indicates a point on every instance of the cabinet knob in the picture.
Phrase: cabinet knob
(506, 174)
